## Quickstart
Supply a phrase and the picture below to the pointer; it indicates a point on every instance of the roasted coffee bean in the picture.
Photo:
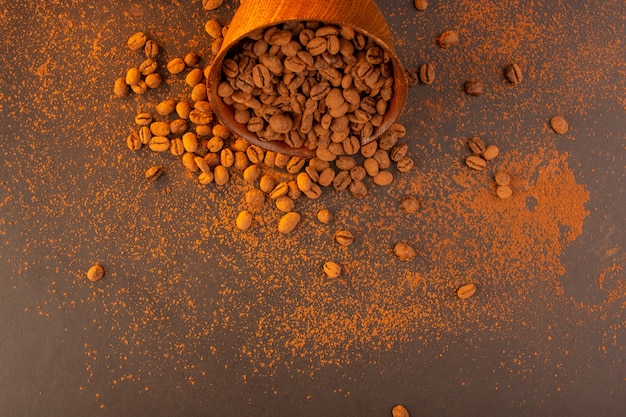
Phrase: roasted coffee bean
(244, 220)
(120, 88)
(252, 173)
(474, 88)
(190, 142)
(267, 184)
(192, 59)
(160, 128)
(398, 129)
(133, 76)
(133, 142)
(221, 175)
(514, 73)
(371, 167)
(357, 189)
(255, 154)
(151, 49)
(369, 150)
(144, 134)
(137, 41)
(405, 164)
(183, 109)
(502, 178)
(140, 88)
(420, 5)
(476, 145)
(241, 161)
(159, 144)
(213, 28)
(466, 291)
(202, 164)
(409, 204)
(314, 192)
(281, 189)
(153, 173)
(148, 66)
(176, 66)
(95, 272)
(288, 222)
(255, 199)
(344, 237)
(188, 160)
(176, 147)
(383, 178)
(153, 80)
(559, 125)
(285, 204)
(194, 77)
(504, 191)
(325, 216)
(342, 180)
(332, 269)
(412, 76)
(399, 410)
(403, 251)
(211, 4)
(490, 152)
(326, 177)
(476, 162)
(447, 39)
(398, 152)
(427, 73)
(304, 181)
(358, 173)
(382, 158)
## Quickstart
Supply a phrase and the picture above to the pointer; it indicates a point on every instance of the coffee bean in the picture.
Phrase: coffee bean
(192, 59)
(153, 80)
(95, 272)
(409, 204)
(120, 88)
(244, 220)
(398, 152)
(285, 204)
(358, 173)
(490, 152)
(332, 269)
(206, 178)
(160, 128)
(326, 177)
(252, 173)
(466, 291)
(344, 237)
(133, 142)
(476, 162)
(137, 41)
(447, 39)
(342, 180)
(476, 145)
(281, 189)
(176, 147)
(176, 66)
(314, 192)
(151, 49)
(194, 77)
(159, 144)
(403, 251)
(474, 88)
(502, 178)
(133, 76)
(140, 88)
(221, 175)
(211, 4)
(427, 73)
(383, 178)
(399, 410)
(405, 164)
(412, 76)
(143, 119)
(357, 189)
(254, 199)
(514, 73)
(559, 125)
(213, 28)
(288, 222)
(504, 191)
(154, 172)
(325, 216)
(420, 5)
(148, 66)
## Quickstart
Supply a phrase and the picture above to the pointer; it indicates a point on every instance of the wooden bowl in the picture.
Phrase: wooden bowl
(361, 15)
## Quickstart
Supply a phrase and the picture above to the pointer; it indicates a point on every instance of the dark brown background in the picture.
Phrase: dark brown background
(71, 194)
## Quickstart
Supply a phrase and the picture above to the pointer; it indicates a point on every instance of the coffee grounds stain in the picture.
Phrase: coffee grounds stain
(185, 288)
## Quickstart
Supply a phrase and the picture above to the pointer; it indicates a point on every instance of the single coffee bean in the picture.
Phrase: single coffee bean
(95, 272)
(137, 41)
(160, 128)
(288, 222)
(490, 152)
(409, 204)
(194, 77)
(344, 237)
(325, 216)
(281, 189)
(285, 204)
(254, 199)
(176, 147)
(504, 191)
(211, 4)
(267, 183)
(427, 73)
(398, 152)
(213, 28)
(143, 119)
(357, 189)
(420, 5)
(476, 145)
(133, 76)
(314, 192)
(202, 164)
(403, 251)
(332, 269)
(399, 410)
(371, 167)
(405, 164)
(244, 220)
(559, 125)
(221, 175)
(502, 178)
(140, 88)
(241, 161)
(176, 66)
(159, 144)
(514, 73)
(326, 177)
(133, 142)
(466, 291)
(358, 173)
(166, 107)
(252, 173)
(447, 39)
(151, 49)
(476, 162)
(120, 88)
(474, 88)
(153, 80)
(189, 162)
(383, 178)
(192, 59)
(206, 178)
(412, 76)
(153, 172)
(148, 66)
(304, 181)
(342, 180)
(179, 126)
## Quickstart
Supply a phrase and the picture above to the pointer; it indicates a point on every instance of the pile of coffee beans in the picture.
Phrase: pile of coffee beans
(324, 87)
(145, 76)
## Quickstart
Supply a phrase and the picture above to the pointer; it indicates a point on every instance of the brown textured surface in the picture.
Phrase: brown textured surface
(194, 317)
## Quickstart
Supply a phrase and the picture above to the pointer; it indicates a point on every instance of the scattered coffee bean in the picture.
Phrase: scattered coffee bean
(120, 88)
(427, 73)
(476, 145)
(332, 269)
(325, 216)
(213, 28)
(412, 76)
(154, 172)
(211, 4)
(244, 220)
(159, 144)
(133, 76)
(403, 251)
(137, 41)
(344, 237)
(514, 73)
(221, 175)
(504, 191)
(409, 204)
(133, 142)
(285, 204)
(447, 39)
(490, 152)
(95, 272)
(559, 125)
(502, 178)
(399, 410)
(288, 222)
(420, 5)
(474, 88)
(404, 164)
(466, 291)
(476, 162)
(383, 178)
(176, 65)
